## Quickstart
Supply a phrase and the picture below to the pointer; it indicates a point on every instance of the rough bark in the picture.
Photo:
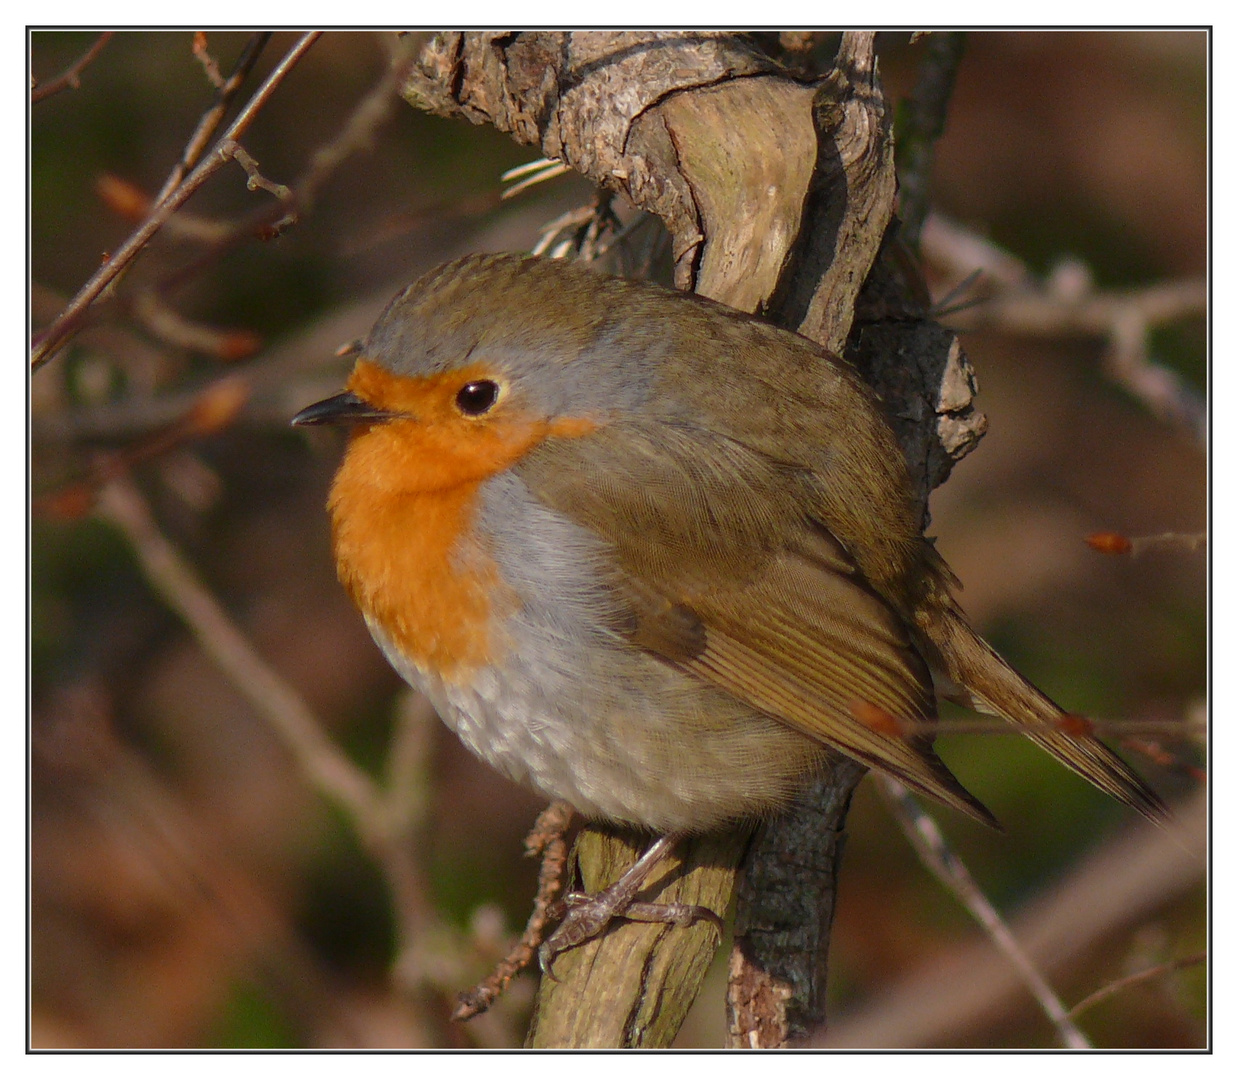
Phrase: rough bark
(778, 195)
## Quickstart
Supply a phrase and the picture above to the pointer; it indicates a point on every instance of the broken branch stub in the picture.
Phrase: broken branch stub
(700, 129)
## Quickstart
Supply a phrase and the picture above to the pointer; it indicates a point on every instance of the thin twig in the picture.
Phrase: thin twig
(1106, 992)
(213, 117)
(948, 868)
(201, 53)
(357, 133)
(257, 182)
(71, 77)
(385, 823)
(51, 340)
(1068, 304)
(171, 575)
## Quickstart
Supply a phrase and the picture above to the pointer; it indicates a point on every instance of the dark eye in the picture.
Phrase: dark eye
(478, 397)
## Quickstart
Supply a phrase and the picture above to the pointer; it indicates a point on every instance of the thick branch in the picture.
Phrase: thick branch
(777, 195)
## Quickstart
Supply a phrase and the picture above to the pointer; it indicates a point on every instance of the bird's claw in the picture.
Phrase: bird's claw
(586, 916)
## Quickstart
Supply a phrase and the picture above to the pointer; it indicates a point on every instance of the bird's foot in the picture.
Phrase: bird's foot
(585, 916)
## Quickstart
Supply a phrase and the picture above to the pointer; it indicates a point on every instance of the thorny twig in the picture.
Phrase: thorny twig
(50, 341)
(1069, 304)
(547, 841)
(921, 830)
(71, 77)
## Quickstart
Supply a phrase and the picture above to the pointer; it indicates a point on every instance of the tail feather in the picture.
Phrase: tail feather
(995, 687)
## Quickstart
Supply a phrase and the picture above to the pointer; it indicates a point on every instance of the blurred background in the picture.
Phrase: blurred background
(192, 887)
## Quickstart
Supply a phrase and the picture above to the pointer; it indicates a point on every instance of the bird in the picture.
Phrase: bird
(653, 556)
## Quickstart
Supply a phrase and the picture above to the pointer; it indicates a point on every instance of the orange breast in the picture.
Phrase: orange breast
(410, 565)
(403, 509)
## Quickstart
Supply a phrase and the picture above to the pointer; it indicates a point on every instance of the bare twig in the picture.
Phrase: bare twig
(170, 326)
(213, 117)
(71, 77)
(209, 64)
(547, 840)
(297, 199)
(51, 340)
(1068, 304)
(257, 182)
(330, 772)
(1114, 887)
(1106, 992)
(922, 831)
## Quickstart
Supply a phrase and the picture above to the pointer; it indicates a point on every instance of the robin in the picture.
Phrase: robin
(653, 556)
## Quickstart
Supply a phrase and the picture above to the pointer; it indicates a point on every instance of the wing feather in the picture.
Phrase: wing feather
(730, 579)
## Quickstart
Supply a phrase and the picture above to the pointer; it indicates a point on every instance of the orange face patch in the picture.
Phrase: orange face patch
(403, 507)
(438, 446)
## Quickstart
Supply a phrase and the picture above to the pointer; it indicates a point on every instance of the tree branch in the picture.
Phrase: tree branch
(776, 194)
(71, 77)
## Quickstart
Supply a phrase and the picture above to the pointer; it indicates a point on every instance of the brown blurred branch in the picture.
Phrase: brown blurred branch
(428, 952)
(170, 326)
(188, 861)
(1069, 305)
(936, 854)
(71, 77)
(1123, 882)
(210, 65)
(330, 772)
(1118, 985)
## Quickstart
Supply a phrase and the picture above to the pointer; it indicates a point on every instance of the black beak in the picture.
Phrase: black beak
(345, 408)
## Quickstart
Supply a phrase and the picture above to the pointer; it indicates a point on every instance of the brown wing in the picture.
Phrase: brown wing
(730, 580)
